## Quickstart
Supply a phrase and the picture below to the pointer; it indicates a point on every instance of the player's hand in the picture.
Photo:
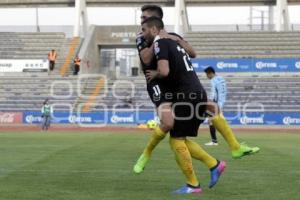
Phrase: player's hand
(150, 75)
(163, 34)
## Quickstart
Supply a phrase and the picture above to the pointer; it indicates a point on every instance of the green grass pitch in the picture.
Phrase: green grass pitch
(98, 166)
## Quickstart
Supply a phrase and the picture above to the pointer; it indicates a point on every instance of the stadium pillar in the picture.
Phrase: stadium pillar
(181, 24)
(80, 16)
(271, 18)
(283, 20)
(37, 19)
(251, 18)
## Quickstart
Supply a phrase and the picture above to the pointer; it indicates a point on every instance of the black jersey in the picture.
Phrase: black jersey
(182, 77)
(141, 44)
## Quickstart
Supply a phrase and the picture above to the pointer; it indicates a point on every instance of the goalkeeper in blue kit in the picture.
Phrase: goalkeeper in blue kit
(218, 93)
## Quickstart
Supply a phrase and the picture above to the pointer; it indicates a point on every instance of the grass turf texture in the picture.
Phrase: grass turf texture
(89, 166)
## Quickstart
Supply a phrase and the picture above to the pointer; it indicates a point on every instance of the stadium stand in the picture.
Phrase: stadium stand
(277, 93)
(27, 91)
(33, 45)
(245, 44)
(243, 88)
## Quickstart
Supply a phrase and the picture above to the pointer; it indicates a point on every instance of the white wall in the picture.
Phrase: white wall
(130, 16)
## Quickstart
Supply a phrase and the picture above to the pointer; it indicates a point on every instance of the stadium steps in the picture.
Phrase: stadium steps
(275, 92)
(27, 91)
(245, 44)
(35, 46)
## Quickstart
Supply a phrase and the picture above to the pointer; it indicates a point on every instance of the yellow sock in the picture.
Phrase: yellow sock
(156, 137)
(184, 160)
(222, 126)
(200, 154)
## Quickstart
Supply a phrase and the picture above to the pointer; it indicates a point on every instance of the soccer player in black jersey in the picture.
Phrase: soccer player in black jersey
(189, 103)
(190, 106)
(238, 150)
(156, 88)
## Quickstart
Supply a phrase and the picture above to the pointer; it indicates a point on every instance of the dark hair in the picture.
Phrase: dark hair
(154, 8)
(209, 69)
(46, 101)
(154, 21)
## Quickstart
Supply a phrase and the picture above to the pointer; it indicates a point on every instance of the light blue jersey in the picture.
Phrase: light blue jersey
(218, 90)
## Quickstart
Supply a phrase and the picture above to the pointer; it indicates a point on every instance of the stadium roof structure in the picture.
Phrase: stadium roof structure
(181, 16)
(71, 3)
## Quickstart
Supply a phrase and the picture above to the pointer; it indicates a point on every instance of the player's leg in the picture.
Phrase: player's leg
(212, 130)
(51, 65)
(43, 123)
(219, 122)
(75, 69)
(184, 161)
(48, 122)
(197, 152)
(189, 114)
(216, 167)
(159, 133)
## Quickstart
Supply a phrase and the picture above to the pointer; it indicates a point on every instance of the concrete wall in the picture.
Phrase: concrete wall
(88, 53)
(107, 36)
(116, 35)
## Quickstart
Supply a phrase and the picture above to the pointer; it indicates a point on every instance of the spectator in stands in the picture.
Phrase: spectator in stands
(46, 115)
(77, 62)
(217, 94)
(52, 58)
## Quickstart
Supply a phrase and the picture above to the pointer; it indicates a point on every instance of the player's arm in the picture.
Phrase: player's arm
(147, 55)
(212, 93)
(162, 71)
(187, 47)
(177, 38)
(222, 92)
(163, 68)
(162, 55)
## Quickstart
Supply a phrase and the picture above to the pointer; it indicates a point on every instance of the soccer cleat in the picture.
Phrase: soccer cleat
(255, 150)
(244, 150)
(211, 144)
(216, 173)
(140, 164)
(187, 189)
